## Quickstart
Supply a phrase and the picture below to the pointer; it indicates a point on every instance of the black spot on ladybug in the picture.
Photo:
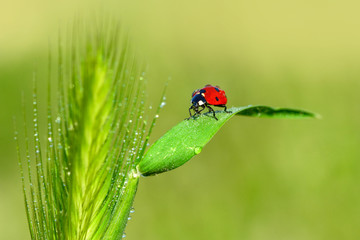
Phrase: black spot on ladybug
(202, 91)
(216, 98)
(217, 89)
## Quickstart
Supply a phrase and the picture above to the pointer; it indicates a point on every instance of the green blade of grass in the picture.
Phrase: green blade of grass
(187, 139)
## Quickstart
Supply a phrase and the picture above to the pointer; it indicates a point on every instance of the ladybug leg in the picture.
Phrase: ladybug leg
(196, 110)
(224, 106)
(192, 107)
(199, 111)
(225, 109)
(190, 111)
(212, 110)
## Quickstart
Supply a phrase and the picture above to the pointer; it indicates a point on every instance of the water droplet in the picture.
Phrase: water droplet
(162, 104)
(197, 150)
(157, 115)
(132, 210)
(124, 235)
(58, 119)
(50, 139)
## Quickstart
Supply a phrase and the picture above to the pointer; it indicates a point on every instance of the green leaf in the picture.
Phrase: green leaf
(187, 139)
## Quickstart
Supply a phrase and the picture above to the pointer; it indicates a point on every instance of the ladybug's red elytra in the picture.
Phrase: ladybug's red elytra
(206, 96)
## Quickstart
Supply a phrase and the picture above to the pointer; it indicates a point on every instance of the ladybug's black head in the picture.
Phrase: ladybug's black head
(198, 100)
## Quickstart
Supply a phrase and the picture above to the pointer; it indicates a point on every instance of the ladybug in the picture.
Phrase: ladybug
(206, 96)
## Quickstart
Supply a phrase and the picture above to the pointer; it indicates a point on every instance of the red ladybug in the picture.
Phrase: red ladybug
(206, 96)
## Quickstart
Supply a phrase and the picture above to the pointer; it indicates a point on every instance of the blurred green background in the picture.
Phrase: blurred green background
(258, 178)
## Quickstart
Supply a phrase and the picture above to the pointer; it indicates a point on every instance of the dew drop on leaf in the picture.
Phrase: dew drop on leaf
(197, 150)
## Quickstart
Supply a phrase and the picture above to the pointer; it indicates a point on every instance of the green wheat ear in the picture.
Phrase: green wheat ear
(82, 182)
